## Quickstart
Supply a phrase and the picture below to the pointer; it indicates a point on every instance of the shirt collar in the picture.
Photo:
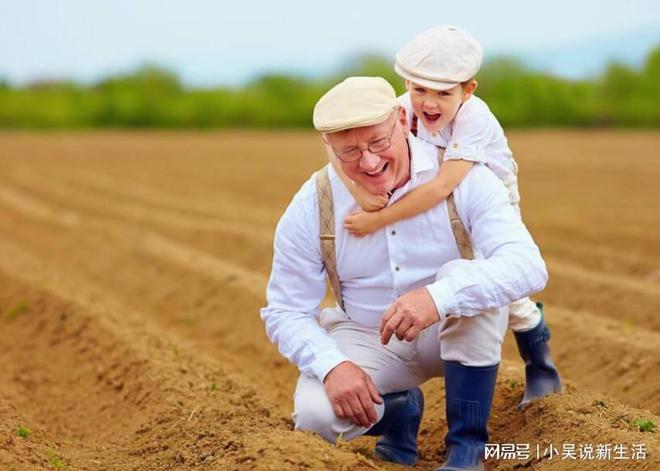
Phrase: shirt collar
(420, 160)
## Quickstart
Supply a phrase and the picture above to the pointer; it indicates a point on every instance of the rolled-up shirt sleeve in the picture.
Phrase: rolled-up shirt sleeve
(296, 288)
(469, 137)
(509, 265)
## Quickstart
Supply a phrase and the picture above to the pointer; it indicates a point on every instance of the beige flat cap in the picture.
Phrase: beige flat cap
(355, 102)
(439, 58)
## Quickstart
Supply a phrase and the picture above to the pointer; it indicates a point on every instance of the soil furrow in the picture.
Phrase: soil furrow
(85, 201)
(637, 358)
(632, 353)
(113, 185)
(197, 429)
(155, 401)
(129, 307)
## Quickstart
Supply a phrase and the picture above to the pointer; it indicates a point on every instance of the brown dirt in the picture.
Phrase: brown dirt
(133, 265)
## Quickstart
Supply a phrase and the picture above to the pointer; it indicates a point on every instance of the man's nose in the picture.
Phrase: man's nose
(369, 161)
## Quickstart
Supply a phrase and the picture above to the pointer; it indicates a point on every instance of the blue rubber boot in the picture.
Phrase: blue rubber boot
(399, 426)
(469, 399)
(541, 376)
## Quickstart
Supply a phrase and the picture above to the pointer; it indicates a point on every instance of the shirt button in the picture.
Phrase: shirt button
(455, 146)
(396, 268)
(393, 232)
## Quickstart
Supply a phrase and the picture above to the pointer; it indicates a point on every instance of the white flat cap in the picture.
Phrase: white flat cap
(353, 103)
(440, 58)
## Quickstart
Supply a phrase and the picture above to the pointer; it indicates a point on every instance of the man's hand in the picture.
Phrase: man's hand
(408, 316)
(352, 394)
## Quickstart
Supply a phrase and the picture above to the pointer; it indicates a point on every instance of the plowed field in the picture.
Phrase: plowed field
(133, 266)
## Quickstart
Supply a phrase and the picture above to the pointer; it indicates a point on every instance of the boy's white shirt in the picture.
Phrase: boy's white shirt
(474, 134)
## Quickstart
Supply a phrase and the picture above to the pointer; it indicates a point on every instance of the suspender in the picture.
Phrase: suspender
(327, 228)
(461, 234)
(327, 231)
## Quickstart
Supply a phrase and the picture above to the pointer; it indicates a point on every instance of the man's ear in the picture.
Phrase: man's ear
(468, 90)
(328, 146)
(403, 119)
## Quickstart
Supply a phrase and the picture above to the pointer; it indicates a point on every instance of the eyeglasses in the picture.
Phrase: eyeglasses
(355, 153)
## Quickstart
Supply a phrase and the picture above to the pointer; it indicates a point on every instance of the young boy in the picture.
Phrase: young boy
(439, 66)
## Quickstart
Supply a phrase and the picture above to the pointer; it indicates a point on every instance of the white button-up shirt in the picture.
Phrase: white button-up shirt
(375, 270)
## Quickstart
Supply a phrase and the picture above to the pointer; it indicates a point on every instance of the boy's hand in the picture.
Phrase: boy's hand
(360, 223)
(369, 201)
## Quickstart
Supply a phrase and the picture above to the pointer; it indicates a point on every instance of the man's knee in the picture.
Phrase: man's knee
(313, 413)
(474, 340)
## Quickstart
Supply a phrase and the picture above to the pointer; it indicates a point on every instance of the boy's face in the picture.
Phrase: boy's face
(378, 173)
(437, 108)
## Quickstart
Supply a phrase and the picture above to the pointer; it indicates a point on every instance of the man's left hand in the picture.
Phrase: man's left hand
(408, 316)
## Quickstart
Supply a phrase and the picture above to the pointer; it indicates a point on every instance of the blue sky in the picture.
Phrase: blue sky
(218, 42)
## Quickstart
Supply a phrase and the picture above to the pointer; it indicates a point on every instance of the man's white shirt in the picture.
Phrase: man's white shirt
(376, 269)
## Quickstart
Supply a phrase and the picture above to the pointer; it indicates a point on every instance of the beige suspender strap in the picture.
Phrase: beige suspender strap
(327, 231)
(460, 233)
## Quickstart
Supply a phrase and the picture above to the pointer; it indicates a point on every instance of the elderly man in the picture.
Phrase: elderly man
(419, 299)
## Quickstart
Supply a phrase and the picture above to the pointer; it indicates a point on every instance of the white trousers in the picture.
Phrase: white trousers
(399, 365)
(523, 314)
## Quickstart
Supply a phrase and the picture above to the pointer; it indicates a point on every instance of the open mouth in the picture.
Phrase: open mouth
(379, 172)
(432, 117)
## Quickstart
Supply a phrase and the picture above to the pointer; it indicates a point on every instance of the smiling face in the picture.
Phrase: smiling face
(437, 108)
(381, 172)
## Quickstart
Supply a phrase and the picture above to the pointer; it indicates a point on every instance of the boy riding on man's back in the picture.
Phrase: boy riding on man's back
(439, 66)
